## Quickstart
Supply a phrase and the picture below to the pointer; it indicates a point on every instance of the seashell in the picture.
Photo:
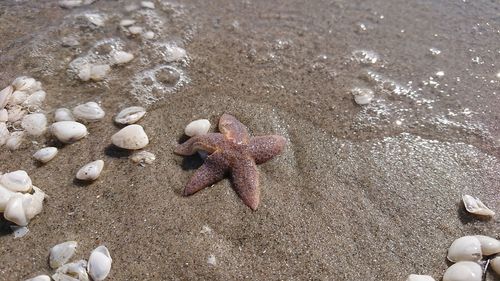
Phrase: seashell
(63, 114)
(95, 72)
(90, 171)
(476, 207)
(89, 111)
(4, 133)
(466, 248)
(489, 245)
(84, 72)
(34, 124)
(99, 263)
(495, 264)
(131, 137)
(62, 253)
(362, 96)
(15, 140)
(25, 83)
(45, 154)
(135, 29)
(15, 113)
(39, 278)
(35, 99)
(17, 181)
(17, 97)
(68, 131)
(463, 271)
(4, 115)
(143, 157)
(95, 19)
(5, 95)
(14, 210)
(148, 34)
(147, 4)
(212, 260)
(70, 41)
(5, 195)
(33, 203)
(174, 53)
(130, 115)
(127, 22)
(121, 57)
(197, 127)
(415, 277)
(62, 277)
(75, 271)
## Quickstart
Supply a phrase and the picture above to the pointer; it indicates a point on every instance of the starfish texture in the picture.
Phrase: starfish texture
(234, 151)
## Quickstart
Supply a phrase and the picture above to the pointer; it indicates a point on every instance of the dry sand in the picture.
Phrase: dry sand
(367, 193)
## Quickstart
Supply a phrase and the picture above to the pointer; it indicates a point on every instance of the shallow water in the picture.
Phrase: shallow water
(361, 192)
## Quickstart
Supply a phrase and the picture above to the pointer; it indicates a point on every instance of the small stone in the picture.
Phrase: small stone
(211, 260)
(18, 97)
(17, 181)
(130, 137)
(197, 127)
(69, 41)
(90, 171)
(99, 264)
(4, 133)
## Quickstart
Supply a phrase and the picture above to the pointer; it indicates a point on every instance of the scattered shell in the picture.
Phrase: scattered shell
(25, 83)
(34, 124)
(489, 245)
(415, 277)
(39, 278)
(148, 34)
(18, 97)
(4, 115)
(131, 137)
(89, 111)
(15, 140)
(45, 154)
(68, 131)
(463, 271)
(14, 210)
(5, 195)
(17, 181)
(362, 96)
(135, 29)
(90, 171)
(5, 95)
(63, 114)
(99, 263)
(495, 264)
(127, 22)
(475, 206)
(62, 253)
(121, 57)
(35, 99)
(143, 157)
(148, 4)
(130, 115)
(197, 127)
(4, 133)
(72, 271)
(466, 248)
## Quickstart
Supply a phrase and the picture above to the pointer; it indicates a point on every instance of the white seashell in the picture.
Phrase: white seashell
(61, 253)
(5, 96)
(39, 278)
(466, 248)
(15, 113)
(121, 57)
(15, 140)
(58, 276)
(415, 277)
(131, 137)
(84, 72)
(127, 22)
(17, 181)
(99, 263)
(197, 127)
(362, 96)
(135, 29)
(212, 260)
(5, 195)
(89, 111)
(90, 171)
(174, 54)
(148, 34)
(95, 72)
(4, 115)
(45, 154)
(25, 83)
(76, 270)
(34, 124)
(148, 4)
(489, 245)
(17, 97)
(35, 99)
(19, 231)
(130, 115)
(495, 264)
(68, 131)
(143, 157)
(14, 210)
(475, 206)
(33, 203)
(463, 271)
(4, 133)
(63, 114)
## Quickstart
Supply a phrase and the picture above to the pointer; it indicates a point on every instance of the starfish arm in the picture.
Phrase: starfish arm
(212, 171)
(245, 178)
(233, 129)
(208, 142)
(264, 148)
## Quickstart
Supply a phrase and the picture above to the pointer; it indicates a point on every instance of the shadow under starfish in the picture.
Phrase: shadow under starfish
(232, 151)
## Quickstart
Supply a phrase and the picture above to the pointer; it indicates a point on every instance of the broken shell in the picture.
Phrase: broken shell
(17, 97)
(489, 245)
(90, 171)
(131, 137)
(143, 157)
(476, 207)
(16, 113)
(4, 115)
(35, 124)
(362, 96)
(14, 210)
(15, 140)
(121, 57)
(39, 278)
(5, 195)
(466, 248)
(89, 111)
(99, 263)
(33, 203)
(130, 115)
(45, 154)
(17, 181)
(495, 264)
(75, 271)
(68, 131)
(35, 99)
(415, 277)
(463, 271)
(25, 83)
(197, 127)
(62, 253)
(4, 133)
(63, 114)
(5, 95)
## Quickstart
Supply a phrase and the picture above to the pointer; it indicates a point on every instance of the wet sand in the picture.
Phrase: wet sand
(360, 193)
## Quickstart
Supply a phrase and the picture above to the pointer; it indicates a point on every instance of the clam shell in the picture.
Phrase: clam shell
(89, 111)
(25, 83)
(14, 210)
(63, 114)
(5, 195)
(33, 203)
(16, 113)
(130, 115)
(143, 157)
(489, 245)
(4, 115)
(99, 71)
(4, 133)
(18, 97)
(495, 264)
(415, 277)
(39, 278)
(5, 95)
(45, 154)
(34, 124)
(362, 96)
(130, 137)
(62, 253)
(17, 181)
(68, 131)
(99, 263)
(466, 248)
(463, 271)
(197, 127)
(76, 270)
(475, 206)
(90, 171)
(15, 140)
(35, 99)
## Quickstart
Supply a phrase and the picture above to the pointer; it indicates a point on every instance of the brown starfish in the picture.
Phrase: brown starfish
(233, 151)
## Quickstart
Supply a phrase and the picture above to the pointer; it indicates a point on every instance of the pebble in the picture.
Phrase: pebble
(99, 264)
(90, 111)
(68, 131)
(121, 57)
(34, 124)
(22, 207)
(130, 137)
(61, 253)
(15, 113)
(18, 97)
(143, 157)
(211, 260)
(130, 115)
(90, 171)
(25, 83)
(63, 114)
(362, 96)
(197, 127)
(45, 154)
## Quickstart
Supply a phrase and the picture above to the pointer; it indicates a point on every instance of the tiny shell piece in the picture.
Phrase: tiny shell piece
(489, 245)
(121, 57)
(415, 277)
(130, 115)
(5, 96)
(39, 278)
(197, 127)
(99, 263)
(90, 111)
(130, 137)
(63, 114)
(362, 96)
(476, 207)
(75, 270)
(62, 253)
(68, 131)
(45, 154)
(466, 248)
(463, 271)
(143, 157)
(17, 181)
(90, 171)
(34, 124)
(15, 140)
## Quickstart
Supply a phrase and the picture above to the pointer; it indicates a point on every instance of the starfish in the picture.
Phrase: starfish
(234, 151)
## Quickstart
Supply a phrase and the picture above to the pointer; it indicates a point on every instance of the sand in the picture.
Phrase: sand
(360, 193)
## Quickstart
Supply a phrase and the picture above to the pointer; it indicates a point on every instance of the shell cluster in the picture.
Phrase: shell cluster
(20, 200)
